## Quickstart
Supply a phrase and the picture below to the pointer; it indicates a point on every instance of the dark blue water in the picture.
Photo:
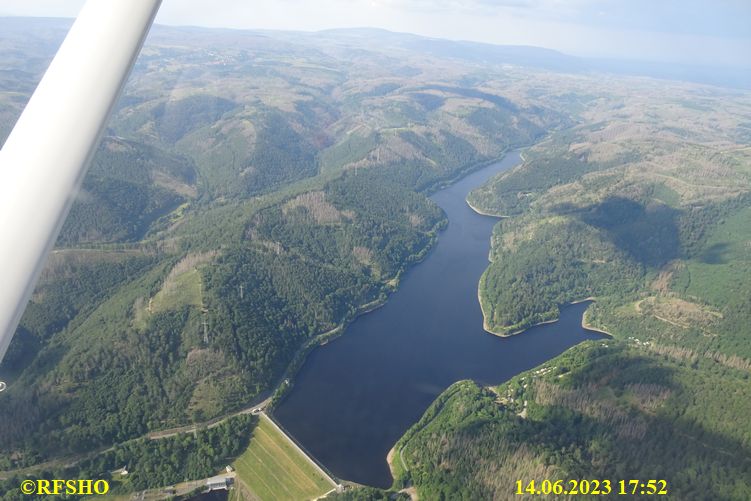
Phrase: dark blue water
(355, 397)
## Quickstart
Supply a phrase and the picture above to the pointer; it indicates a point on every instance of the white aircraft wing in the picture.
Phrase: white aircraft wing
(48, 152)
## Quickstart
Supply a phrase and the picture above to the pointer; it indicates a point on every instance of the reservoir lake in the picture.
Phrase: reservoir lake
(356, 396)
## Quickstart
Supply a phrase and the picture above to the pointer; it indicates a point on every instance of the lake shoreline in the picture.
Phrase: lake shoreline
(588, 326)
(506, 334)
(279, 391)
(584, 323)
(390, 460)
(483, 213)
(341, 409)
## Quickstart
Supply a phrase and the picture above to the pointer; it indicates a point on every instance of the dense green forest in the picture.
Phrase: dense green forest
(304, 268)
(607, 250)
(515, 192)
(59, 299)
(604, 410)
(668, 266)
(177, 118)
(563, 261)
(129, 186)
(208, 252)
(279, 187)
(153, 463)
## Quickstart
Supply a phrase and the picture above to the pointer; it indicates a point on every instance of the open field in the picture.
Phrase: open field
(274, 469)
(185, 290)
(183, 284)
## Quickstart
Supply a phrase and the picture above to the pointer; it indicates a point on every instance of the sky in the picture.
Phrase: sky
(704, 32)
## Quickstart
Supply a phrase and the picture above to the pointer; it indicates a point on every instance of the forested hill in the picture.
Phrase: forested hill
(258, 189)
(644, 206)
(254, 190)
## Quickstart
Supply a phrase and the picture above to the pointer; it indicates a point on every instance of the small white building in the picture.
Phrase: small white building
(219, 483)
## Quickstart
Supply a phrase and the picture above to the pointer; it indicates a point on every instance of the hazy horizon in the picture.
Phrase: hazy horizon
(683, 32)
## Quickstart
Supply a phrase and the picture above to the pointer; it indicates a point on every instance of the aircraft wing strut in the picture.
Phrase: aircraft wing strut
(48, 152)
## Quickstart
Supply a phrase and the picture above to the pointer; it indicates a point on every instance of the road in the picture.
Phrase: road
(181, 489)
(158, 435)
(71, 461)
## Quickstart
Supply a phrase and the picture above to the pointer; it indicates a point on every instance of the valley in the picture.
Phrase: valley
(258, 191)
